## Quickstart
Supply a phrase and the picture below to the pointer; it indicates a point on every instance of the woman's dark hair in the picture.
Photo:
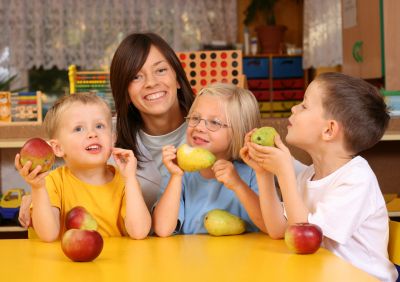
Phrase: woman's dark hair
(128, 60)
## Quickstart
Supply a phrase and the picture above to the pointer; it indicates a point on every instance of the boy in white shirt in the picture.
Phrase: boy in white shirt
(339, 117)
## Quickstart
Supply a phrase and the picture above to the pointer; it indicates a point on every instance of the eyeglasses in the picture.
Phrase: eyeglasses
(212, 125)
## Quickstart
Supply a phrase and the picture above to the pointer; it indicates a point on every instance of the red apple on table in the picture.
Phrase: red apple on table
(303, 238)
(79, 218)
(82, 245)
(38, 152)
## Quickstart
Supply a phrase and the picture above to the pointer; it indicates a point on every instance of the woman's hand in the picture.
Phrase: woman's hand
(169, 160)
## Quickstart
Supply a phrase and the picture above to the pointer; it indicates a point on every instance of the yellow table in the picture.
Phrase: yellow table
(250, 257)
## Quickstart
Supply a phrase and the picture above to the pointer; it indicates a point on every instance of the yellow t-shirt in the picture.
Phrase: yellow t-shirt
(106, 203)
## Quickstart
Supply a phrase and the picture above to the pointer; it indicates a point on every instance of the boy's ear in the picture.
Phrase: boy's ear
(55, 145)
(331, 130)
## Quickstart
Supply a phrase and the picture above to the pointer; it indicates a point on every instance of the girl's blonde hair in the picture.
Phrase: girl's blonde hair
(242, 112)
(53, 116)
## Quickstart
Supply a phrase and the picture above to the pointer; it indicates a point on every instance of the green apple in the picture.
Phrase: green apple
(264, 136)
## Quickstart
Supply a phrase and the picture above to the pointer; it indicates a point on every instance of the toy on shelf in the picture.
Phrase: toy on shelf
(97, 82)
(201, 67)
(9, 205)
(205, 67)
(20, 107)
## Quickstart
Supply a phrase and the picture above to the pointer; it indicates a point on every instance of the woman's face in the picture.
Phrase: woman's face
(153, 91)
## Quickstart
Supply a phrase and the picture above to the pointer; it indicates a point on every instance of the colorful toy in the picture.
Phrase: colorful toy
(21, 107)
(97, 82)
(10, 203)
(205, 67)
(201, 67)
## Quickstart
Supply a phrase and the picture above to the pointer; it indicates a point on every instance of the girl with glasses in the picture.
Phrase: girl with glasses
(218, 120)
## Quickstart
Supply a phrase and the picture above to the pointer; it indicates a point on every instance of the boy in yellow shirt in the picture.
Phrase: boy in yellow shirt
(80, 131)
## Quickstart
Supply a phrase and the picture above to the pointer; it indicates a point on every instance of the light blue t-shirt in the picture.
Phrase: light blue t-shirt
(200, 195)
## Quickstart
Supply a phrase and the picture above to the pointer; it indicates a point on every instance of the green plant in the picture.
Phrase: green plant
(264, 7)
(5, 83)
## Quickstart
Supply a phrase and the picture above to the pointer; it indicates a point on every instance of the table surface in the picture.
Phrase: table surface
(248, 257)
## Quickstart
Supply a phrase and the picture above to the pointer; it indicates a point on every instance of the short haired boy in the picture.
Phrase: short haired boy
(80, 129)
(339, 117)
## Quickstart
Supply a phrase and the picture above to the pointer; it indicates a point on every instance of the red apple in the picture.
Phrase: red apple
(79, 218)
(303, 238)
(38, 152)
(82, 245)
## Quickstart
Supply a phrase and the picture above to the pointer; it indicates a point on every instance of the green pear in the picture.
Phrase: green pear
(219, 222)
(194, 158)
(264, 136)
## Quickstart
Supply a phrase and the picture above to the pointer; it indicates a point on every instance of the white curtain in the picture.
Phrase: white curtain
(322, 35)
(58, 33)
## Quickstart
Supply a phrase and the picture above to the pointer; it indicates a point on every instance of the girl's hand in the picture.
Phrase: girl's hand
(126, 161)
(274, 159)
(226, 173)
(169, 160)
(34, 178)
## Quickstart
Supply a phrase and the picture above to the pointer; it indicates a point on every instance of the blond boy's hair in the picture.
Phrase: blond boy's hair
(242, 112)
(53, 116)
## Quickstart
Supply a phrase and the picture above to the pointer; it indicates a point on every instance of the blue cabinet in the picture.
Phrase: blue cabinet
(277, 81)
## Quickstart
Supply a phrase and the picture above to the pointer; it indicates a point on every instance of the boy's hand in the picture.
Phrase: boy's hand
(34, 178)
(244, 154)
(169, 160)
(226, 173)
(126, 161)
(274, 159)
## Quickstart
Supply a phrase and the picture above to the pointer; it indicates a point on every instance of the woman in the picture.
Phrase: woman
(152, 96)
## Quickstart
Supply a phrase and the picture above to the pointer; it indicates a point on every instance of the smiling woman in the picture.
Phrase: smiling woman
(152, 96)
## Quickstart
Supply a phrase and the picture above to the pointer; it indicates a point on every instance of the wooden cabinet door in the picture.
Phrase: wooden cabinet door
(362, 42)
(391, 10)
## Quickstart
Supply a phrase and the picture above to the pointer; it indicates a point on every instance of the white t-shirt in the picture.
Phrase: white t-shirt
(349, 207)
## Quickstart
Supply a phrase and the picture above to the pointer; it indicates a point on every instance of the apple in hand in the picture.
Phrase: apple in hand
(38, 152)
(303, 238)
(82, 245)
(79, 218)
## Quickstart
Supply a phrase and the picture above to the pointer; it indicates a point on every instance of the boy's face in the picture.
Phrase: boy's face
(84, 137)
(307, 122)
(211, 109)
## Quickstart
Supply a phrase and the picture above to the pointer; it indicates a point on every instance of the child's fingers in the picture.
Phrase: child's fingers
(17, 162)
(24, 170)
(35, 173)
(279, 143)
(248, 135)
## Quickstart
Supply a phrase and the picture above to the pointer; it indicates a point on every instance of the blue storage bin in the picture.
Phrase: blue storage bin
(256, 67)
(287, 67)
